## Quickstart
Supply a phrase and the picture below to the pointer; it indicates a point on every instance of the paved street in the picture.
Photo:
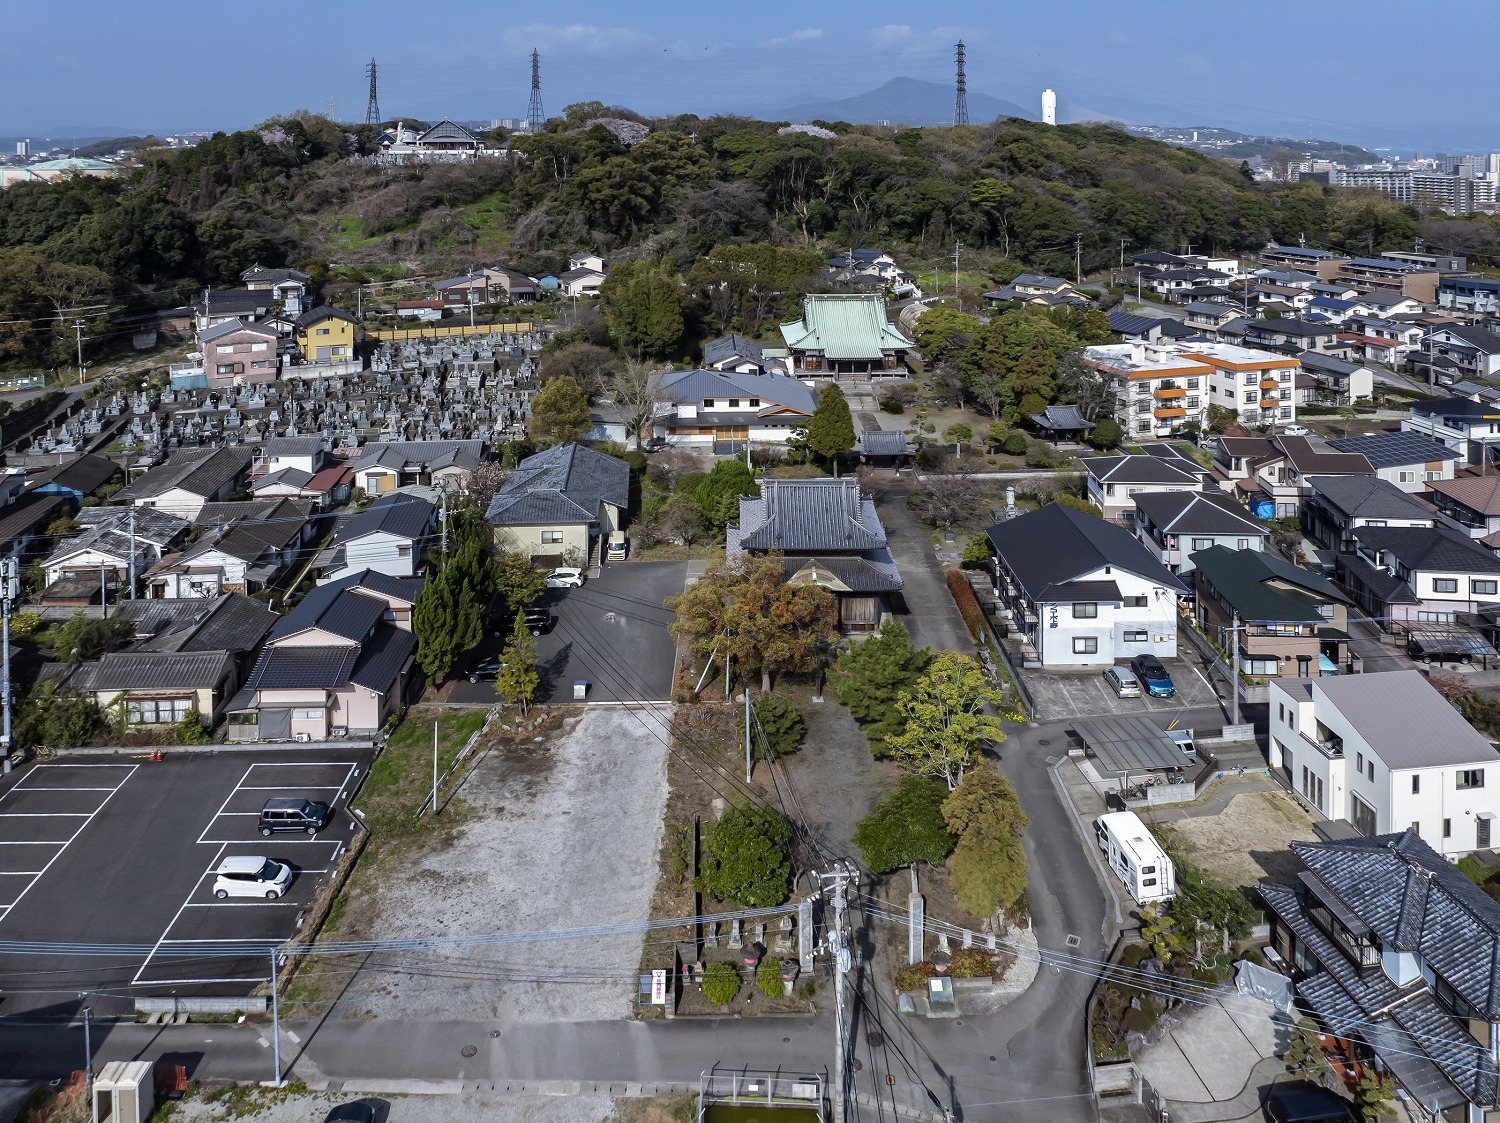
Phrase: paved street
(931, 616)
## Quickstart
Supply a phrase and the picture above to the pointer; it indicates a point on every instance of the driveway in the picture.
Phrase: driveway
(931, 616)
(611, 634)
(1083, 693)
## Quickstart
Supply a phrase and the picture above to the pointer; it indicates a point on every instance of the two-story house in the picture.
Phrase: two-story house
(465, 289)
(1411, 461)
(1478, 296)
(106, 541)
(1337, 507)
(1329, 380)
(1405, 577)
(1176, 525)
(244, 555)
(1379, 339)
(1469, 427)
(723, 410)
(327, 335)
(1455, 351)
(1291, 337)
(1038, 291)
(289, 286)
(1394, 951)
(1114, 482)
(447, 465)
(190, 478)
(517, 287)
(390, 536)
(561, 504)
(215, 306)
(1272, 473)
(236, 353)
(1277, 617)
(1384, 751)
(1471, 501)
(1082, 591)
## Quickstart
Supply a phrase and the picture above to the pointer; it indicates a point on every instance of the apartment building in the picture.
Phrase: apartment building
(1387, 275)
(1320, 262)
(1477, 295)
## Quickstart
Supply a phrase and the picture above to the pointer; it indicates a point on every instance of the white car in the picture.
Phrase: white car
(565, 577)
(1295, 430)
(251, 875)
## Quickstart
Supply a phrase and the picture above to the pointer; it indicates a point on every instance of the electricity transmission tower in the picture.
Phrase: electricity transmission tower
(372, 109)
(534, 116)
(961, 87)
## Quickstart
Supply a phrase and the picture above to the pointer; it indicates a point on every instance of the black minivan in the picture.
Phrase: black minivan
(293, 814)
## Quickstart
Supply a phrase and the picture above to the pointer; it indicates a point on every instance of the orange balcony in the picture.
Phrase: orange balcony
(1164, 413)
(1170, 392)
(1269, 384)
(1270, 403)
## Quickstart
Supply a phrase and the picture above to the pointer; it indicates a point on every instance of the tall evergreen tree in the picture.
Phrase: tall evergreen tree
(872, 674)
(830, 433)
(435, 623)
(518, 679)
(559, 412)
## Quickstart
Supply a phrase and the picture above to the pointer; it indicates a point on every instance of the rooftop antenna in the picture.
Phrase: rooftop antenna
(961, 87)
(372, 109)
(534, 115)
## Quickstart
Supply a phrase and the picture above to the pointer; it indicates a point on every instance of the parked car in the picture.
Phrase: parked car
(356, 1112)
(251, 875)
(286, 813)
(538, 621)
(1295, 430)
(486, 670)
(565, 577)
(618, 547)
(1153, 676)
(1307, 1103)
(1122, 682)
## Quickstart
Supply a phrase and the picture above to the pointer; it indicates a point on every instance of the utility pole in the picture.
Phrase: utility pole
(1078, 257)
(747, 732)
(275, 1022)
(88, 1054)
(838, 945)
(444, 517)
(78, 328)
(10, 587)
(957, 249)
(1122, 252)
(131, 562)
(434, 767)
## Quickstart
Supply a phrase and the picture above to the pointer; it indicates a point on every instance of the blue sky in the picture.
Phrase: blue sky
(1378, 73)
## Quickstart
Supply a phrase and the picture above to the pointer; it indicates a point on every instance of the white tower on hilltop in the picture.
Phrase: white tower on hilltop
(1049, 107)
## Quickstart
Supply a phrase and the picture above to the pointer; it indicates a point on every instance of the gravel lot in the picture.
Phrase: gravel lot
(1247, 841)
(565, 834)
(266, 1106)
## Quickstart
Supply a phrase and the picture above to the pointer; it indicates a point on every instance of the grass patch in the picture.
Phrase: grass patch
(401, 777)
(1479, 875)
(349, 233)
(1193, 452)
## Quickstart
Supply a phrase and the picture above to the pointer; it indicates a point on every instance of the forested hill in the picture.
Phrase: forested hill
(302, 191)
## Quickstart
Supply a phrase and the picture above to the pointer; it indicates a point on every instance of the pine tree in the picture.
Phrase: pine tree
(830, 433)
(719, 492)
(518, 679)
(871, 675)
(1034, 372)
(434, 622)
(559, 412)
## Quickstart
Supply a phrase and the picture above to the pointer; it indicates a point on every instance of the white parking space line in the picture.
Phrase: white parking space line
(300, 788)
(63, 845)
(53, 842)
(47, 814)
(25, 787)
(225, 804)
(173, 921)
(280, 902)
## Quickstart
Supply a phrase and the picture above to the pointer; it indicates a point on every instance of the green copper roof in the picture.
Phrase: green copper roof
(844, 326)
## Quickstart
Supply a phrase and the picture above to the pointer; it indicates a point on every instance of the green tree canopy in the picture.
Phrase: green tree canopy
(872, 674)
(945, 719)
(80, 638)
(830, 433)
(989, 865)
(906, 827)
(559, 412)
(517, 681)
(719, 492)
(745, 858)
(778, 724)
(643, 305)
(516, 579)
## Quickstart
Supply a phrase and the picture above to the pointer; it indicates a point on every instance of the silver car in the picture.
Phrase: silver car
(1123, 682)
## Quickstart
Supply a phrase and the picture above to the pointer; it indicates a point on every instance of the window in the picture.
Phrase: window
(225, 368)
(1416, 829)
(1250, 395)
(403, 551)
(551, 537)
(1447, 828)
(754, 403)
(306, 715)
(1136, 635)
(1192, 384)
(1433, 476)
(1148, 881)
(1202, 543)
(1406, 477)
(259, 346)
(1191, 402)
(1085, 610)
(1136, 602)
(1468, 778)
(1250, 377)
(708, 403)
(1435, 617)
(158, 711)
(1359, 762)
(1085, 645)
(1143, 426)
(1253, 666)
(1371, 772)
(734, 403)
(322, 331)
(1242, 543)
(224, 349)
(1482, 588)
(1416, 785)
(1445, 584)
(1325, 611)
(1280, 712)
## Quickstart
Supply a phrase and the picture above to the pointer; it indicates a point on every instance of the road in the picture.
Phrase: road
(932, 618)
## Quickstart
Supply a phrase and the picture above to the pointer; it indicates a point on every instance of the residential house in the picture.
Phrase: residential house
(25, 515)
(1290, 278)
(1337, 507)
(580, 282)
(1406, 578)
(388, 465)
(1473, 502)
(517, 287)
(844, 333)
(1147, 329)
(1320, 262)
(217, 305)
(1478, 296)
(1392, 304)
(1385, 750)
(77, 479)
(190, 478)
(1161, 387)
(1327, 380)
(562, 503)
(1291, 337)
(1387, 275)
(1411, 461)
(1470, 352)
(279, 453)
(1210, 315)
(586, 259)
(1336, 291)
(339, 663)
(1272, 472)
(1157, 259)
(1332, 310)
(1284, 298)
(329, 487)
(1174, 526)
(288, 286)
(1470, 428)
(1114, 482)
(243, 555)
(390, 536)
(1082, 591)
(1379, 339)
(1277, 617)
(327, 335)
(722, 411)
(734, 352)
(1037, 291)
(106, 540)
(828, 534)
(189, 660)
(464, 290)
(237, 354)
(424, 310)
(1393, 950)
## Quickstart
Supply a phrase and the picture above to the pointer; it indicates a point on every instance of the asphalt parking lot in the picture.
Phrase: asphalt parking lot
(611, 633)
(122, 853)
(1084, 693)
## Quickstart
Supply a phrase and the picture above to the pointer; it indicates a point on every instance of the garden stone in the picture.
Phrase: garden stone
(735, 939)
(784, 935)
(760, 935)
(712, 937)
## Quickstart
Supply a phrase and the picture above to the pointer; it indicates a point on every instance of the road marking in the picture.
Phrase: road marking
(54, 842)
(147, 961)
(47, 814)
(24, 787)
(298, 1040)
(263, 841)
(218, 904)
(62, 847)
(347, 777)
(225, 804)
(283, 787)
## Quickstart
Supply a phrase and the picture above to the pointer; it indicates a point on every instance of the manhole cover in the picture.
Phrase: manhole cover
(469, 1050)
(874, 1037)
(1044, 741)
(494, 1033)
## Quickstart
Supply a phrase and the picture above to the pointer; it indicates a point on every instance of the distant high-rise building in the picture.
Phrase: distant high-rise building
(1049, 107)
(23, 148)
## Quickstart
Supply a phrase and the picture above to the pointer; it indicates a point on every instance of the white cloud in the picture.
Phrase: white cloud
(583, 38)
(801, 35)
(890, 37)
(899, 39)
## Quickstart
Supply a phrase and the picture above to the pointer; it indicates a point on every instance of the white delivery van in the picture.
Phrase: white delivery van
(617, 549)
(1136, 857)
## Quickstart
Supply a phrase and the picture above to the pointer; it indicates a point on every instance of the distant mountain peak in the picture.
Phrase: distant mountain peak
(903, 101)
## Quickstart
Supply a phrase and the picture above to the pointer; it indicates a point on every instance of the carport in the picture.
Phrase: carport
(1435, 642)
(1126, 746)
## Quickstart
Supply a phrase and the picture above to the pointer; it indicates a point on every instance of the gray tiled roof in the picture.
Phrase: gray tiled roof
(403, 516)
(1136, 469)
(83, 474)
(290, 668)
(232, 622)
(1055, 544)
(287, 477)
(294, 446)
(199, 471)
(732, 346)
(230, 327)
(883, 442)
(563, 484)
(347, 615)
(1196, 512)
(692, 386)
(1368, 497)
(810, 515)
(413, 454)
(130, 670)
(1429, 548)
(382, 658)
(856, 575)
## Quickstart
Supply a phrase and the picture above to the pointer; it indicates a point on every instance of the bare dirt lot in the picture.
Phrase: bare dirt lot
(1247, 841)
(562, 833)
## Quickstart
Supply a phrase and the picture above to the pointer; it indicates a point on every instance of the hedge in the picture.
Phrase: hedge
(968, 606)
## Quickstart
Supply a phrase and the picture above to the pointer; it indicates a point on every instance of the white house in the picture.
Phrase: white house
(389, 536)
(1114, 482)
(1463, 424)
(1411, 461)
(723, 409)
(1385, 752)
(1083, 592)
(190, 478)
(1420, 576)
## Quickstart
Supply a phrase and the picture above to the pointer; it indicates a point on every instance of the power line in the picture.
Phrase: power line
(960, 86)
(372, 108)
(535, 118)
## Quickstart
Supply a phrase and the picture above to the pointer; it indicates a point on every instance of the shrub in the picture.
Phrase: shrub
(914, 976)
(768, 978)
(968, 606)
(906, 827)
(745, 858)
(781, 722)
(977, 550)
(721, 983)
(1134, 955)
(1014, 445)
(190, 731)
(1039, 454)
(971, 963)
(892, 405)
(24, 625)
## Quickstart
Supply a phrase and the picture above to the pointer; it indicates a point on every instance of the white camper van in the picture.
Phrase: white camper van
(1136, 857)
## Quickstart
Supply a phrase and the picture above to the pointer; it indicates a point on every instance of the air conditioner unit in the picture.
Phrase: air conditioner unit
(303, 737)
